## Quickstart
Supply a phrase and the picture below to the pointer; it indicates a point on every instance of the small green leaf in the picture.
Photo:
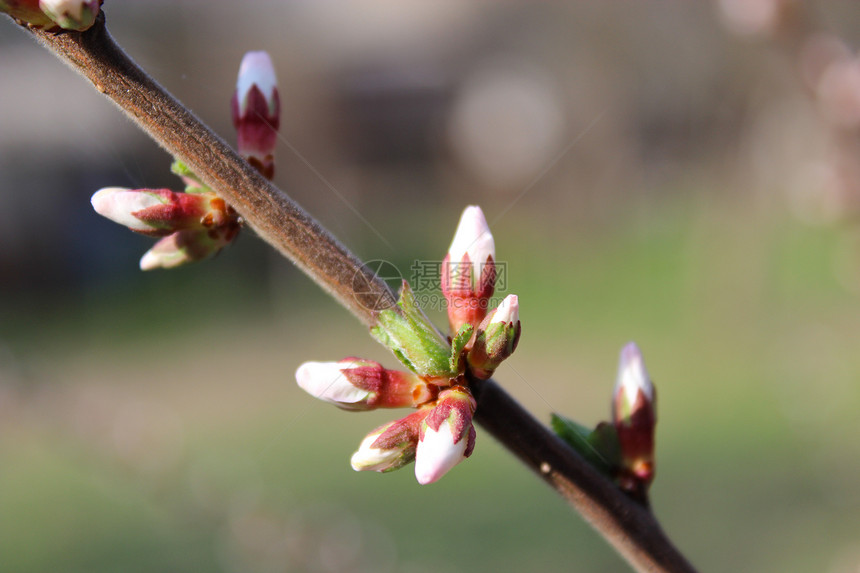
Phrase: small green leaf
(413, 338)
(599, 447)
(461, 339)
(182, 170)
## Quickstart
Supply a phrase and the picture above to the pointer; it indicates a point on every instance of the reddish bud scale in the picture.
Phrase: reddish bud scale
(402, 431)
(455, 407)
(220, 214)
(257, 125)
(468, 297)
(388, 388)
(179, 211)
(447, 436)
(225, 232)
(635, 431)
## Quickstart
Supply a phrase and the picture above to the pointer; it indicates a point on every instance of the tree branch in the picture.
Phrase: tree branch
(274, 216)
(628, 526)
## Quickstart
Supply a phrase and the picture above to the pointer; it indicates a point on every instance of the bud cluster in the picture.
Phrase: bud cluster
(195, 223)
(191, 225)
(439, 434)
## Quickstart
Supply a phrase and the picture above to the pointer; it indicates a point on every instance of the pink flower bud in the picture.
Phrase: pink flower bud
(391, 446)
(468, 270)
(194, 225)
(188, 246)
(160, 212)
(634, 416)
(357, 384)
(447, 436)
(256, 109)
(496, 338)
(27, 11)
(120, 205)
(71, 14)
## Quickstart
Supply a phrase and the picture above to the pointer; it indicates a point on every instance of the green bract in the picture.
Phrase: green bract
(413, 338)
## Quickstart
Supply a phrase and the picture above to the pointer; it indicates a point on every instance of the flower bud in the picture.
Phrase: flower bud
(391, 446)
(256, 110)
(160, 212)
(71, 14)
(468, 270)
(447, 436)
(27, 11)
(496, 339)
(634, 416)
(357, 384)
(188, 246)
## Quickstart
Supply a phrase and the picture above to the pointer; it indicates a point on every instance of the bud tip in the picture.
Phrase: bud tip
(473, 237)
(632, 375)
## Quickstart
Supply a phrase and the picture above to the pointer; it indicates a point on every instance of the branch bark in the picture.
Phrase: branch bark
(628, 526)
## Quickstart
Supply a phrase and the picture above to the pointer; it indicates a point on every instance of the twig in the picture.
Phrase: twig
(274, 216)
(628, 526)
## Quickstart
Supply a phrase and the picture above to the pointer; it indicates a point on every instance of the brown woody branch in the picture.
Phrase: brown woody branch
(628, 526)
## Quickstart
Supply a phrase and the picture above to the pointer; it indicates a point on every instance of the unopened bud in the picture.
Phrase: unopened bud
(160, 212)
(447, 435)
(256, 110)
(357, 384)
(469, 270)
(188, 246)
(71, 14)
(27, 11)
(634, 416)
(496, 339)
(391, 446)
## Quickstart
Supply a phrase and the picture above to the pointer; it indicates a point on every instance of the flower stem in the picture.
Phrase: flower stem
(628, 526)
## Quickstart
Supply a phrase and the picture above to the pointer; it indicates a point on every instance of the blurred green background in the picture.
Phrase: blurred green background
(653, 172)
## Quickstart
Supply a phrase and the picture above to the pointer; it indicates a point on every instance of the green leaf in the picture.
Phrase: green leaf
(599, 447)
(182, 170)
(457, 364)
(413, 338)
